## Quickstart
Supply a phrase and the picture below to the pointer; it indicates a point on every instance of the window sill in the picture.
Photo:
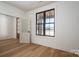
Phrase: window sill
(45, 35)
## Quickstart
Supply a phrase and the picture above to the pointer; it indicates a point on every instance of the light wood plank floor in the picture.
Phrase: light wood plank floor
(12, 48)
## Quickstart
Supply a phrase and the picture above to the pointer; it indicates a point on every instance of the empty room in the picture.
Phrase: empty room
(39, 28)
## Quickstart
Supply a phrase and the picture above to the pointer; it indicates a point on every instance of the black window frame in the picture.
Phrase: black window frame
(44, 22)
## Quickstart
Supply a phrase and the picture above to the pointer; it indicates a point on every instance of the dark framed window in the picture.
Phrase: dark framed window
(45, 23)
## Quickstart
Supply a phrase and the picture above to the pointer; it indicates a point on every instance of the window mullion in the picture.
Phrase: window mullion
(44, 25)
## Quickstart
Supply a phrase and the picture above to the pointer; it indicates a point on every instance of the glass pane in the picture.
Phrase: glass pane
(40, 32)
(47, 26)
(40, 18)
(51, 19)
(47, 20)
(51, 29)
(47, 32)
(47, 29)
(51, 32)
(40, 27)
(40, 21)
(50, 14)
(51, 26)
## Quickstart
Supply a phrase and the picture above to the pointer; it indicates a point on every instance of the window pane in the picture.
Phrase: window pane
(40, 18)
(40, 21)
(51, 32)
(47, 26)
(51, 26)
(49, 29)
(47, 20)
(50, 14)
(40, 27)
(47, 32)
(40, 32)
(49, 23)
(51, 20)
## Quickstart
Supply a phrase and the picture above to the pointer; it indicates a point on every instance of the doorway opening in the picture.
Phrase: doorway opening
(17, 27)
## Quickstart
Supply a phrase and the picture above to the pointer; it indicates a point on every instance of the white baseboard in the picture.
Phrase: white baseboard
(75, 51)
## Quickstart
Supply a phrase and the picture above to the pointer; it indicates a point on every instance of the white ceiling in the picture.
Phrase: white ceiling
(28, 5)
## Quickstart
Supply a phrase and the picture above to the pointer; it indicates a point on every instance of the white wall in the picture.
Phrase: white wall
(66, 27)
(8, 9)
(7, 27)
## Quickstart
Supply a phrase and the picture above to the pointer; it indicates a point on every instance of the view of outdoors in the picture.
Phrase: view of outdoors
(49, 26)
(45, 23)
